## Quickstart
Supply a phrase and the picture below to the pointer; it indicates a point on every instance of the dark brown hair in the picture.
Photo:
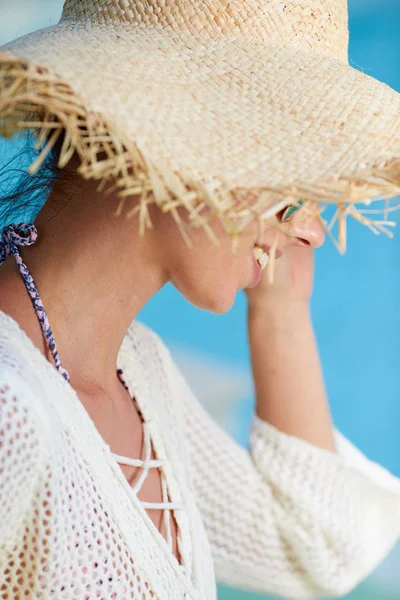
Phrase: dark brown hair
(22, 195)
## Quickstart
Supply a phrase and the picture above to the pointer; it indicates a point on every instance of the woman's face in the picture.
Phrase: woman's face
(209, 276)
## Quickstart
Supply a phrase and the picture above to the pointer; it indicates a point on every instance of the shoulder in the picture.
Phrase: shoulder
(25, 448)
(147, 341)
(21, 392)
(139, 331)
(152, 353)
(25, 432)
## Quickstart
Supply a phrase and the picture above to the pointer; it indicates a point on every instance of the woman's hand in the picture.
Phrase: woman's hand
(292, 283)
(298, 232)
(288, 380)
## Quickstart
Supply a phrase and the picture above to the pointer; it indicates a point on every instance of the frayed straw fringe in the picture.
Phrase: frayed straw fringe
(106, 155)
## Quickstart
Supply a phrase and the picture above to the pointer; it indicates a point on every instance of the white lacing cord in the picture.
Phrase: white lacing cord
(147, 458)
(146, 465)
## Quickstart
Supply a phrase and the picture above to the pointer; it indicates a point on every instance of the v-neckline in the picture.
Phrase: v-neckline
(181, 571)
(125, 460)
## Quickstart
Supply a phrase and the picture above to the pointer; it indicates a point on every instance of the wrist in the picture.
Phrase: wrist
(284, 315)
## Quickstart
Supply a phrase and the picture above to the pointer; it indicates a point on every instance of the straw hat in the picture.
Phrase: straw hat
(210, 104)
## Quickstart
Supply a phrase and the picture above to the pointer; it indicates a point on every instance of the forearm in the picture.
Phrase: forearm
(288, 380)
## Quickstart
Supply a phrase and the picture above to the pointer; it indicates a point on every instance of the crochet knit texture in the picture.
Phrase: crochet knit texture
(284, 517)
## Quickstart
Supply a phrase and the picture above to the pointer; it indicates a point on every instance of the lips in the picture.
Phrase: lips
(262, 253)
(261, 257)
(267, 249)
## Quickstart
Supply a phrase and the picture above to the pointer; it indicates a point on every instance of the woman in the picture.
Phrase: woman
(114, 481)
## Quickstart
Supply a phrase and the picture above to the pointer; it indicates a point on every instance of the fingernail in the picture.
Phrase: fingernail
(287, 214)
(290, 210)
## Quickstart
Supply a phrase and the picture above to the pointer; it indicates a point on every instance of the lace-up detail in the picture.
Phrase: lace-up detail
(146, 465)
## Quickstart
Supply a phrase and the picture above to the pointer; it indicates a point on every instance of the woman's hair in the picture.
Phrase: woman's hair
(22, 195)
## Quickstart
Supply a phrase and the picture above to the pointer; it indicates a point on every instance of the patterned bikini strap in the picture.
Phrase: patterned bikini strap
(13, 235)
(25, 234)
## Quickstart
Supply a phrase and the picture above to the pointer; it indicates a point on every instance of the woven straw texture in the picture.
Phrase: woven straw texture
(240, 107)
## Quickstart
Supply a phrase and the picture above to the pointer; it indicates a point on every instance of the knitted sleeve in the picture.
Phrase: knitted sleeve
(286, 517)
(22, 459)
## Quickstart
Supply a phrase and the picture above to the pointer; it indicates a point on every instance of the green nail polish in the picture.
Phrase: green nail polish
(293, 209)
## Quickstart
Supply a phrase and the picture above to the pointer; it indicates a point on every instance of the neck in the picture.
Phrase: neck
(94, 273)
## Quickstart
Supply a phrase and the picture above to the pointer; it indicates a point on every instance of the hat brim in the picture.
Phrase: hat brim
(208, 124)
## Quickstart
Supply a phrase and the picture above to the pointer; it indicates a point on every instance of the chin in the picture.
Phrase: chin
(218, 304)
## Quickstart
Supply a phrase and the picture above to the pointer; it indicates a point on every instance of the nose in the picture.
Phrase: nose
(306, 232)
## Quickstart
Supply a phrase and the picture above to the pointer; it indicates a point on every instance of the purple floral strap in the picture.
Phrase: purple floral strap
(25, 234)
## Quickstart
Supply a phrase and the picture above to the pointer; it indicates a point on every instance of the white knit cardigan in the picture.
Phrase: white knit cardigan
(285, 518)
